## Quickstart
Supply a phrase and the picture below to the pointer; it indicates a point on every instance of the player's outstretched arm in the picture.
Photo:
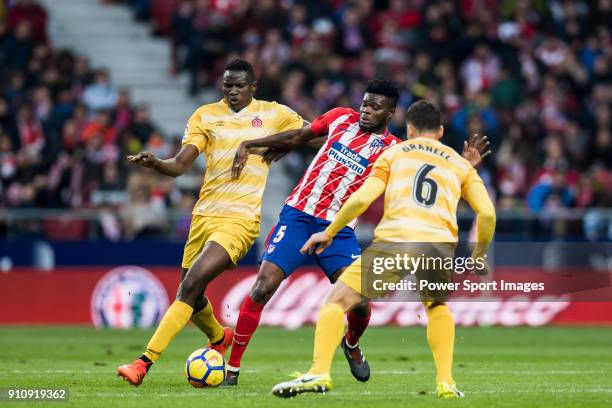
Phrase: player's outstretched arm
(274, 154)
(283, 140)
(475, 149)
(173, 167)
(356, 205)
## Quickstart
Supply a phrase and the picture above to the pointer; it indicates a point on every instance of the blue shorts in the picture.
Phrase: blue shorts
(293, 229)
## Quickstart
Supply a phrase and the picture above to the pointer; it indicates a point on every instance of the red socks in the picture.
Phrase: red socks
(248, 320)
(356, 326)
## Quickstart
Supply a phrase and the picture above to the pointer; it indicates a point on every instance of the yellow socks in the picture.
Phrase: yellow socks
(174, 320)
(441, 339)
(328, 334)
(205, 320)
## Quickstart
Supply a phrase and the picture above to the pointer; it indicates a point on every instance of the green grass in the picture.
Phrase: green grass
(496, 367)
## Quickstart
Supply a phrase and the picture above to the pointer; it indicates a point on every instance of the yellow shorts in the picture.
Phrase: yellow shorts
(352, 275)
(235, 235)
(356, 276)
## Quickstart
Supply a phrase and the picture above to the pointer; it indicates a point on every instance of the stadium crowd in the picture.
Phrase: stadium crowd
(533, 75)
(64, 129)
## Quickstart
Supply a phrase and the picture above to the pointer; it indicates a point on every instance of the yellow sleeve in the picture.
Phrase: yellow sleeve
(478, 198)
(287, 119)
(195, 134)
(382, 167)
(357, 203)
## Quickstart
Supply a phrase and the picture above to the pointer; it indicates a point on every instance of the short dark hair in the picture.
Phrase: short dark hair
(424, 116)
(241, 65)
(383, 87)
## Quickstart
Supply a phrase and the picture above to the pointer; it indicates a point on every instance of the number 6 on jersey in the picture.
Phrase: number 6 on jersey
(424, 190)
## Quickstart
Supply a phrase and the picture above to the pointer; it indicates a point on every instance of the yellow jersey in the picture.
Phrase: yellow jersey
(217, 131)
(424, 181)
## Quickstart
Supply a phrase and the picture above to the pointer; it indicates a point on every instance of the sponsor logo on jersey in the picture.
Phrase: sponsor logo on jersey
(256, 122)
(126, 297)
(271, 248)
(348, 158)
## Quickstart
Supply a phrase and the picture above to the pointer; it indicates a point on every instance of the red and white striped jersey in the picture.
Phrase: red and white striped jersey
(341, 164)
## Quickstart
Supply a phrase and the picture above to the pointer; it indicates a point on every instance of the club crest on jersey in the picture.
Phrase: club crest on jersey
(348, 158)
(256, 122)
(376, 146)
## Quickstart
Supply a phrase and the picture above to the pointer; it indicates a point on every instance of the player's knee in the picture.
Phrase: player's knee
(200, 302)
(191, 289)
(265, 287)
(343, 295)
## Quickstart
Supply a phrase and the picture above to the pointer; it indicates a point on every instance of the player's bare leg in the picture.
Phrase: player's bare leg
(210, 263)
(358, 319)
(328, 335)
(203, 318)
(213, 260)
(268, 280)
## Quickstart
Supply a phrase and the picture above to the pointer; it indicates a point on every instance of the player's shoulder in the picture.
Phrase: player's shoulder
(392, 140)
(211, 108)
(273, 106)
(339, 111)
(393, 148)
(457, 158)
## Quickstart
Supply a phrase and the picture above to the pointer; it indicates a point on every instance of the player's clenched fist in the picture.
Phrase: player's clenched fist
(144, 159)
(317, 243)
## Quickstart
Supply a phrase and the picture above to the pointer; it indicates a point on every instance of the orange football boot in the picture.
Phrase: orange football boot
(134, 372)
(228, 336)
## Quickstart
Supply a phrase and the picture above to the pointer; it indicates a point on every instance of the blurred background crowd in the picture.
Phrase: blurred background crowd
(532, 75)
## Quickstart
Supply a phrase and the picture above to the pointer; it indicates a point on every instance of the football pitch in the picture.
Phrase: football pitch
(495, 367)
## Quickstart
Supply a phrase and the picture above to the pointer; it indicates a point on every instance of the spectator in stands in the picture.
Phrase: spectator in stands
(31, 12)
(19, 46)
(550, 192)
(141, 126)
(534, 76)
(8, 162)
(101, 94)
(100, 126)
(143, 215)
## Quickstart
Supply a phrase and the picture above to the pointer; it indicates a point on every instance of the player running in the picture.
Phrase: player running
(423, 181)
(226, 217)
(353, 142)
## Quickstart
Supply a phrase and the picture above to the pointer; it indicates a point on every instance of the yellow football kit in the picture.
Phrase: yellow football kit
(228, 211)
(423, 181)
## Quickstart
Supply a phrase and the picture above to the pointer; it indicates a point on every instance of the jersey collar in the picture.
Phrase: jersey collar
(240, 112)
(426, 139)
(381, 135)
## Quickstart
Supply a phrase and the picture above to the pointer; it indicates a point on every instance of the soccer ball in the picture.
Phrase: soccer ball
(205, 368)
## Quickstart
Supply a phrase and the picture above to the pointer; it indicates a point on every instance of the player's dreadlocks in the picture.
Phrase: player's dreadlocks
(383, 87)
